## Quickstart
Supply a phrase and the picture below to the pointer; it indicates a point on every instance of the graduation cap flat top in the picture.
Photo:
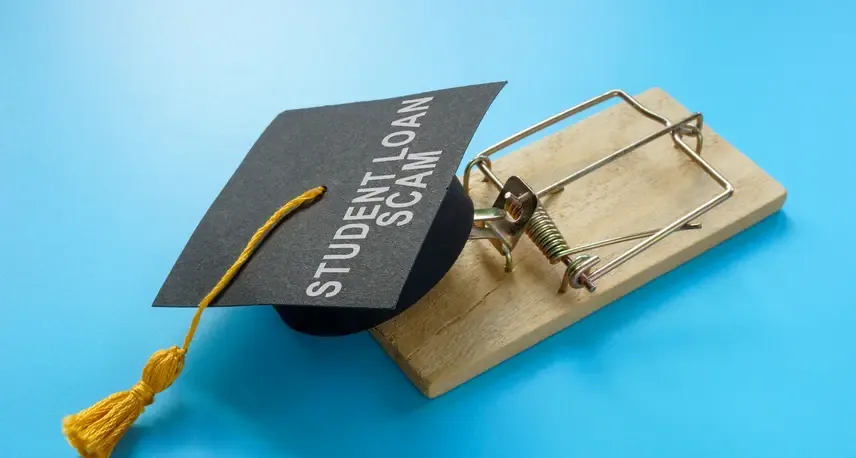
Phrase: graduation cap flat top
(391, 224)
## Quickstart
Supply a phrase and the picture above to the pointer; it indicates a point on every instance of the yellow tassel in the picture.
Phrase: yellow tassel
(95, 431)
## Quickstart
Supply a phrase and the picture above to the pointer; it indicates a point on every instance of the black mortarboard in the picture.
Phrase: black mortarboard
(391, 224)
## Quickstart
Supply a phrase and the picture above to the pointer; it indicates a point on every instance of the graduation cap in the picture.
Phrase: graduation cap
(388, 219)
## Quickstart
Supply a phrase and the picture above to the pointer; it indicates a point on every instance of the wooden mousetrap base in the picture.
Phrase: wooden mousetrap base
(478, 315)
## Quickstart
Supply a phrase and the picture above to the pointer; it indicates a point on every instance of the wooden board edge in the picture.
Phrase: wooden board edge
(421, 383)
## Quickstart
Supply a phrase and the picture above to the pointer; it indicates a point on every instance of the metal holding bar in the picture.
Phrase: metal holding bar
(542, 229)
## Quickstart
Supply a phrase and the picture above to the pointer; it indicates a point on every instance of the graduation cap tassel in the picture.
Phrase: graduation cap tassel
(95, 431)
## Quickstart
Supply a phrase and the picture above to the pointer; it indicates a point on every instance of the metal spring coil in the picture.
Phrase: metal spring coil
(542, 230)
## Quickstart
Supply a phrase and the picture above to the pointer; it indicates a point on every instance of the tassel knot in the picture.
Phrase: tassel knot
(162, 370)
(143, 392)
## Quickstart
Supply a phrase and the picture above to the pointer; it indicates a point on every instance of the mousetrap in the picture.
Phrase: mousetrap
(572, 222)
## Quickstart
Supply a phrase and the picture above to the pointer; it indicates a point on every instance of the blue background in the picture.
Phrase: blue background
(121, 121)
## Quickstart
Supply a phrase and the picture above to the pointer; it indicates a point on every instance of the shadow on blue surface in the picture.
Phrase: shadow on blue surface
(290, 389)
